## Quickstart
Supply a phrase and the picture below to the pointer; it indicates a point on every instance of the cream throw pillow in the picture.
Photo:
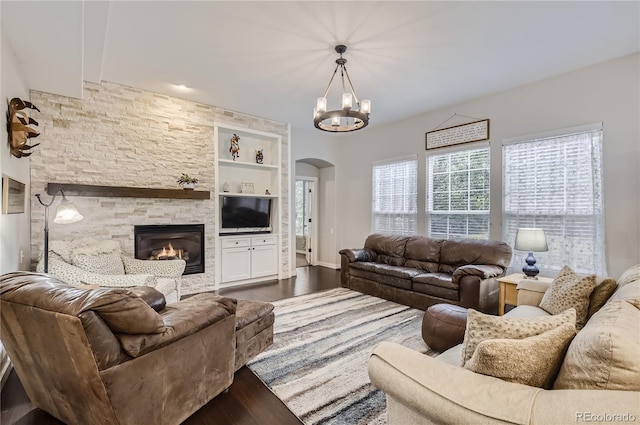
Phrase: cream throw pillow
(532, 361)
(569, 290)
(605, 287)
(481, 327)
(100, 263)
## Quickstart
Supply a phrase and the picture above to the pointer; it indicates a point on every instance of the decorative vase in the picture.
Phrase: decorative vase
(225, 187)
(259, 156)
(188, 186)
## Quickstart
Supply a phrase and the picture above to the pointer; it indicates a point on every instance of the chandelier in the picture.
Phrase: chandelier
(347, 118)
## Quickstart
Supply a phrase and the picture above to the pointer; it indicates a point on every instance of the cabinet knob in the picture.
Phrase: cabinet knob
(264, 240)
(236, 242)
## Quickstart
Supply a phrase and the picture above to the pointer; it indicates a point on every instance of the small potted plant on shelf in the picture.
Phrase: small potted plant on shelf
(187, 182)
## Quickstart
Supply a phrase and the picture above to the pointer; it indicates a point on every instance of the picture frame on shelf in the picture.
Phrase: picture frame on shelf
(246, 188)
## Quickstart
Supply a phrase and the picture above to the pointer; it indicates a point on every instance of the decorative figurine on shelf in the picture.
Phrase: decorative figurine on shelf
(259, 156)
(225, 187)
(266, 192)
(18, 127)
(235, 146)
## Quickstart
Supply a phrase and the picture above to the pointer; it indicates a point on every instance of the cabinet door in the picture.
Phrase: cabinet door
(264, 261)
(236, 264)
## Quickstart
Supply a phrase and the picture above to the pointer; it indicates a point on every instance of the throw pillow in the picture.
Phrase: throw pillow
(601, 293)
(481, 327)
(99, 263)
(569, 290)
(532, 361)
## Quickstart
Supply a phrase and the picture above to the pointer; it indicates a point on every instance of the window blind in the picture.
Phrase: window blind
(458, 195)
(555, 183)
(395, 197)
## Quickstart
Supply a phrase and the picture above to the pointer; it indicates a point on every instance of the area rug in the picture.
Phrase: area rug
(317, 364)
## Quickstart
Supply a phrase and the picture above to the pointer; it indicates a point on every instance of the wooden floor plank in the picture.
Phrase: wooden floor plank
(247, 402)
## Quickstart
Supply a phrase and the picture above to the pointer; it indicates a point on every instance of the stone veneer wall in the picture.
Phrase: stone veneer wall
(121, 136)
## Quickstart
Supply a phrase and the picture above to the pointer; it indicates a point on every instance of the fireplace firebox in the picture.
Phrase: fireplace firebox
(166, 242)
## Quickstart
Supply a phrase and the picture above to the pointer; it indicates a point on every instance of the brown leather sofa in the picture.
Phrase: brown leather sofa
(419, 271)
(107, 357)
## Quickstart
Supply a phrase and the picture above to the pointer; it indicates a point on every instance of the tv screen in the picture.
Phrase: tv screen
(245, 212)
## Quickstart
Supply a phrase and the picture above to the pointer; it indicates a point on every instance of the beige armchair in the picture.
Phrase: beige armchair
(91, 261)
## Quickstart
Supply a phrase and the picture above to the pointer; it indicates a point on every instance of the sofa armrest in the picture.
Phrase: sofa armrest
(442, 393)
(167, 268)
(480, 270)
(354, 255)
(530, 292)
(181, 319)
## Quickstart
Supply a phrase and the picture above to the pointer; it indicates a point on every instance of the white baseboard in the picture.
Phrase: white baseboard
(328, 265)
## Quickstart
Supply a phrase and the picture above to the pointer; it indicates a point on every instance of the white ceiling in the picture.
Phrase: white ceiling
(273, 59)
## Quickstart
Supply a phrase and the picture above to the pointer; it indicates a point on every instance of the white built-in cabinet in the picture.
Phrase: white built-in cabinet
(247, 258)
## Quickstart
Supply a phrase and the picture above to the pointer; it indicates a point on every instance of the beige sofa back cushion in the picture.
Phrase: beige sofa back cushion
(604, 354)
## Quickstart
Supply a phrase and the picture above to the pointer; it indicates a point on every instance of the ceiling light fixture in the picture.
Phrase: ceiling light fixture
(347, 118)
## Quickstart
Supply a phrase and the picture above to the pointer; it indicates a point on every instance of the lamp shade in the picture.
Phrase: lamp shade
(67, 213)
(532, 240)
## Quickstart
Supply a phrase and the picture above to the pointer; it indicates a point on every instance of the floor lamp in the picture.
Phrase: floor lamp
(65, 214)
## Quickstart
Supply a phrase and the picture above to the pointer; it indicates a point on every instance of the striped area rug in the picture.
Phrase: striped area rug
(317, 364)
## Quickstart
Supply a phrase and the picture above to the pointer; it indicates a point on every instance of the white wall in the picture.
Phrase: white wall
(607, 92)
(324, 146)
(306, 170)
(14, 228)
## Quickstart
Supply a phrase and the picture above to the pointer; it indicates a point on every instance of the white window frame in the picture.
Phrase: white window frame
(430, 212)
(404, 208)
(581, 248)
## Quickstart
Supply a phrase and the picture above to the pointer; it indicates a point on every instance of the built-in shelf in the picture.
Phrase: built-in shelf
(125, 192)
(246, 164)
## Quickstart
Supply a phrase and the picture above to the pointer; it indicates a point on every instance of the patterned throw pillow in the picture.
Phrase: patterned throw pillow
(601, 293)
(99, 263)
(481, 327)
(569, 290)
(532, 361)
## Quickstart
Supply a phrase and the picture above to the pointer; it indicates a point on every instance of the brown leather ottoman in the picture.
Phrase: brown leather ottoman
(254, 330)
(443, 326)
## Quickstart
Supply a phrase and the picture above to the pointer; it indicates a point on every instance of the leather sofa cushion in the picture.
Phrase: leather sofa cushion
(250, 311)
(459, 252)
(423, 253)
(384, 280)
(155, 299)
(390, 249)
(436, 291)
(181, 319)
(387, 270)
(104, 345)
(442, 280)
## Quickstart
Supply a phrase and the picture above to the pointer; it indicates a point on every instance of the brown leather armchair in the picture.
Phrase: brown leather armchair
(106, 357)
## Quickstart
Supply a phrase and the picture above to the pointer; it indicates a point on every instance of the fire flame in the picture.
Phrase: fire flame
(170, 252)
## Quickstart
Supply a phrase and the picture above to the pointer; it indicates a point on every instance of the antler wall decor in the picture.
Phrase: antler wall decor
(18, 127)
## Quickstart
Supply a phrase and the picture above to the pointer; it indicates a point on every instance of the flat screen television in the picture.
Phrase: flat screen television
(245, 214)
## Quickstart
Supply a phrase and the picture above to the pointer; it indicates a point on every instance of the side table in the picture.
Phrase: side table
(509, 291)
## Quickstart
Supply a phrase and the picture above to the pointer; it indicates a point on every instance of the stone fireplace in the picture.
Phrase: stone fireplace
(167, 242)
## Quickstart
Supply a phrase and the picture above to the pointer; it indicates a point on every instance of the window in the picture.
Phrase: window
(458, 195)
(556, 183)
(395, 197)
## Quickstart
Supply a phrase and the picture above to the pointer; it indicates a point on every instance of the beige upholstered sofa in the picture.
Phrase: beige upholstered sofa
(89, 261)
(426, 390)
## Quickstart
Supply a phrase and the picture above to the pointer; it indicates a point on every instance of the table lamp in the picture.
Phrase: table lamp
(532, 240)
(65, 214)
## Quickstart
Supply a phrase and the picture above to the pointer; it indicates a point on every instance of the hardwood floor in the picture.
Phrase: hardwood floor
(247, 402)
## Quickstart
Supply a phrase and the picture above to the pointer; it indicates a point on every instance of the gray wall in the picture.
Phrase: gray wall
(607, 92)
